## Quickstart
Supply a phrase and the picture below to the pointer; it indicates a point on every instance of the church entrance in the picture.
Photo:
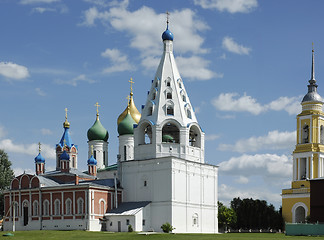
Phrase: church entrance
(300, 214)
(25, 216)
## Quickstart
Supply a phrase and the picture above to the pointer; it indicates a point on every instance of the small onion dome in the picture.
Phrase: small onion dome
(66, 124)
(167, 138)
(126, 126)
(39, 158)
(98, 132)
(92, 161)
(167, 35)
(132, 110)
(65, 156)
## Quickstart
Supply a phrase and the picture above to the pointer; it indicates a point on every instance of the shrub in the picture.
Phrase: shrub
(166, 227)
(130, 228)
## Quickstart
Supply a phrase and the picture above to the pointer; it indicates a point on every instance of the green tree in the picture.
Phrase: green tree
(167, 227)
(226, 216)
(6, 176)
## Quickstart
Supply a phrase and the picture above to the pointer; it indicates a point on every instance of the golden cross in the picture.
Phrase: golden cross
(92, 150)
(128, 99)
(39, 147)
(131, 84)
(66, 110)
(97, 105)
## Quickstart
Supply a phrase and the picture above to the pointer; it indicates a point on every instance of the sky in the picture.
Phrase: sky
(245, 65)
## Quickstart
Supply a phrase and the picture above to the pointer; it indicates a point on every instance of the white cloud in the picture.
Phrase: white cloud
(211, 137)
(40, 92)
(145, 29)
(196, 68)
(236, 103)
(290, 105)
(92, 14)
(38, 1)
(231, 6)
(242, 180)
(3, 132)
(273, 140)
(230, 45)
(265, 165)
(19, 171)
(30, 149)
(13, 70)
(227, 193)
(75, 81)
(119, 60)
(230, 102)
(42, 10)
(46, 131)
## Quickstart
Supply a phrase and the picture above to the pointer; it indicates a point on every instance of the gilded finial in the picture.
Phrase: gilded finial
(39, 147)
(97, 105)
(66, 124)
(131, 86)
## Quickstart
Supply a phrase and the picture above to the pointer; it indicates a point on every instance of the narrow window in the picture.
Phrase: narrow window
(150, 111)
(57, 207)
(170, 110)
(184, 98)
(127, 221)
(168, 84)
(169, 95)
(305, 134)
(143, 222)
(145, 183)
(125, 153)
(95, 154)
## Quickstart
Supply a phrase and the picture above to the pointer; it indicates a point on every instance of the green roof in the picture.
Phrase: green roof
(98, 132)
(126, 126)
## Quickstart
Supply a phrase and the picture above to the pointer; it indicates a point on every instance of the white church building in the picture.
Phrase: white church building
(161, 175)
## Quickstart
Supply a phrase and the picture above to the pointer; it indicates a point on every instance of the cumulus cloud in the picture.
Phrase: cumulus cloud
(30, 149)
(231, 6)
(233, 102)
(230, 102)
(119, 61)
(75, 81)
(2, 132)
(227, 193)
(144, 28)
(265, 165)
(13, 71)
(196, 68)
(42, 10)
(273, 140)
(230, 45)
(242, 180)
(46, 131)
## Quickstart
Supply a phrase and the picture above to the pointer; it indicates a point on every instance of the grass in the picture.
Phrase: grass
(80, 235)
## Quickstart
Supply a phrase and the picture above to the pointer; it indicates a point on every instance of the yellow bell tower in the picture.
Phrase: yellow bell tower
(308, 156)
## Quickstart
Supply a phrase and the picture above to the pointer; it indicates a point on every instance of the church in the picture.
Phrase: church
(303, 199)
(160, 176)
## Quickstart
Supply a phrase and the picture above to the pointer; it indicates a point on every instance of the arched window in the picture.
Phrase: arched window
(168, 83)
(194, 136)
(169, 95)
(68, 206)
(46, 208)
(300, 214)
(153, 95)
(170, 133)
(189, 113)
(15, 209)
(80, 205)
(305, 134)
(35, 208)
(322, 134)
(57, 209)
(170, 110)
(180, 85)
(102, 207)
(150, 111)
(195, 220)
(184, 98)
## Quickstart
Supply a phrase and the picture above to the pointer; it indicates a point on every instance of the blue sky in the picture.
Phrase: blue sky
(245, 65)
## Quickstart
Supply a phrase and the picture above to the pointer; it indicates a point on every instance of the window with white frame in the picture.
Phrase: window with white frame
(80, 205)
(35, 208)
(68, 206)
(46, 208)
(57, 209)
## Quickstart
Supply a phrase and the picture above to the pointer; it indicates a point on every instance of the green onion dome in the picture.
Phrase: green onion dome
(97, 131)
(126, 126)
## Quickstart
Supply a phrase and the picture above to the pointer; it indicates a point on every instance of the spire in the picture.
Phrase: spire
(66, 138)
(313, 65)
(97, 105)
(168, 15)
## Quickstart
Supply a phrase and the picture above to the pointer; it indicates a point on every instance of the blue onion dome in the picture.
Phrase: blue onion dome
(167, 35)
(39, 158)
(126, 126)
(92, 161)
(97, 131)
(65, 156)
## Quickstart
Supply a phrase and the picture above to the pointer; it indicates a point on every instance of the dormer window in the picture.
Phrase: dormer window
(170, 110)
(169, 95)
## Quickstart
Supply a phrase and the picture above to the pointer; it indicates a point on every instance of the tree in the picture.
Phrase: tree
(6, 176)
(226, 216)
(256, 214)
(167, 227)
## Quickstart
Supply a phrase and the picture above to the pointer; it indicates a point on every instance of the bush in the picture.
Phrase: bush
(166, 227)
(130, 228)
